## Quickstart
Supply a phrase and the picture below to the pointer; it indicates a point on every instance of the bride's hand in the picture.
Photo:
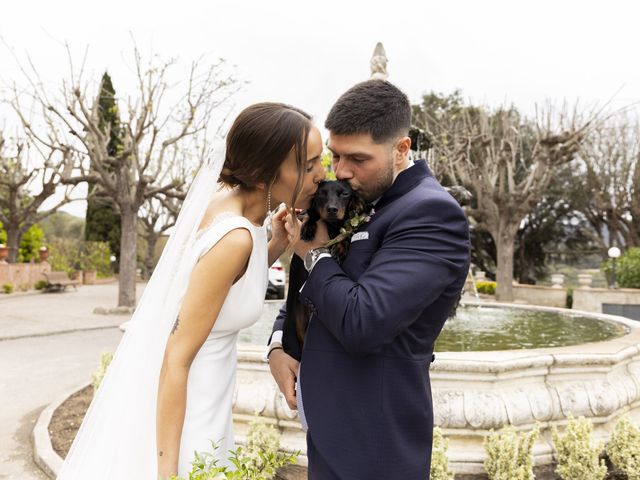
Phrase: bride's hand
(293, 228)
(278, 231)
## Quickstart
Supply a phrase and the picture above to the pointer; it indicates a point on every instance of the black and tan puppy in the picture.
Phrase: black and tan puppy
(334, 202)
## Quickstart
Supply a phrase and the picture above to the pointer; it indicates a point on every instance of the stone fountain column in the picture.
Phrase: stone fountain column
(379, 63)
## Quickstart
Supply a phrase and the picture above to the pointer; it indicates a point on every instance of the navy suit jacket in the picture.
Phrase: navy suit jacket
(366, 356)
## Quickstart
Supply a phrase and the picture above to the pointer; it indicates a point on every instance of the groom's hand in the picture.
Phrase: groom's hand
(284, 369)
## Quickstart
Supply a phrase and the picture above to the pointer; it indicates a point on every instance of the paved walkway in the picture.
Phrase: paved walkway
(49, 344)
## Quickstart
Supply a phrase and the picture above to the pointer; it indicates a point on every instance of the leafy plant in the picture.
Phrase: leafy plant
(439, 460)
(577, 455)
(486, 287)
(509, 454)
(40, 284)
(3, 235)
(64, 255)
(8, 288)
(569, 299)
(30, 244)
(258, 460)
(96, 256)
(71, 255)
(623, 448)
(98, 375)
(627, 268)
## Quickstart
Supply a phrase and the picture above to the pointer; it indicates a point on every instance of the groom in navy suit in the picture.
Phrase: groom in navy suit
(364, 373)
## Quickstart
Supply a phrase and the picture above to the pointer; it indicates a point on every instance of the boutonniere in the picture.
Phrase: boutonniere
(351, 226)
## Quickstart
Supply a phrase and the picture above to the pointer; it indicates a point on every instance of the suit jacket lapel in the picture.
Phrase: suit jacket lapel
(404, 182)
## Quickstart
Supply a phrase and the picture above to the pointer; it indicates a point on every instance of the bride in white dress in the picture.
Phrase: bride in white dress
(168, 391)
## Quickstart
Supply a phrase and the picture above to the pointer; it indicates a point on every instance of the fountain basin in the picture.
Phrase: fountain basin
(476, 391)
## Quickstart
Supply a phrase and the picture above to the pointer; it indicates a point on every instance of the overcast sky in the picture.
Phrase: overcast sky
(307, 53)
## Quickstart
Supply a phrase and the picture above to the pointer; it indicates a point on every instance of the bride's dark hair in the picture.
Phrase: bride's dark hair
(259, 141)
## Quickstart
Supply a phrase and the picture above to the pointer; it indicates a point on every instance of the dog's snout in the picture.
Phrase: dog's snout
(332, 209)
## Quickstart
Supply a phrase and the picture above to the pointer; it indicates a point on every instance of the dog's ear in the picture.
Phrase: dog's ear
(308, 230)
(314, 210)
(356, 203)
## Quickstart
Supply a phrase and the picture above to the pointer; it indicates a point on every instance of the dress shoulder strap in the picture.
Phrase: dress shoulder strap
(208, 237)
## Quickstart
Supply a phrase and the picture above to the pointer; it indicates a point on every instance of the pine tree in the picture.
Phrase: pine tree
(102, 217)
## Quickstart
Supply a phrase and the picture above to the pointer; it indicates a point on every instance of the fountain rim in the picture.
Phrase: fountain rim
(601, 354)
(631, 324)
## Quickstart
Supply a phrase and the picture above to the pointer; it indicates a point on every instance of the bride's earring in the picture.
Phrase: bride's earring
(269, 212)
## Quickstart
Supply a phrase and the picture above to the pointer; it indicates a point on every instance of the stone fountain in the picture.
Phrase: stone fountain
(477, 391)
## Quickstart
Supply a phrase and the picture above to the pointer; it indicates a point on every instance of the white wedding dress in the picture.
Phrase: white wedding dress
(117, 440)
(212, 375)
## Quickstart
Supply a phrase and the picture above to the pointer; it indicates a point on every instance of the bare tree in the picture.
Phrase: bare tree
(609, 193)
(156, 216)
(29, 178)
(436, 119)
(156, 137)
(507, 163)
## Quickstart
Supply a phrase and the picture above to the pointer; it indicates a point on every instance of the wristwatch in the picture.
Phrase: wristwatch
(312, 255)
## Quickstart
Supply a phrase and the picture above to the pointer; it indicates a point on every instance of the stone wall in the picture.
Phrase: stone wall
(591, 299)
(529, 294)
(23, 276)
(537, 295)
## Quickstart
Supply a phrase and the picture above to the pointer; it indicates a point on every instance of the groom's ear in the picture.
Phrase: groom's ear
(402, 148)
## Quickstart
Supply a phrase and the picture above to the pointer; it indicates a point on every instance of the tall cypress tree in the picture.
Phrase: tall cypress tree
(102, 218)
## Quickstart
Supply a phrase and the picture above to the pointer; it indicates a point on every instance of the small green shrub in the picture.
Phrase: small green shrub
(96, 256)
(577, 455)
(509, 454)
(8, 288)
(627, 268)
(71, 255)
(439, 460)
(30, 244)
(487, 287)
(623, 448)
(64, 255)
(569, 300)
(40, 284)
(3, 235)
(258, 460)
(98, 375)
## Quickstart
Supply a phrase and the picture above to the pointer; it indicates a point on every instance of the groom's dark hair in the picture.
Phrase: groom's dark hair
(376, 107)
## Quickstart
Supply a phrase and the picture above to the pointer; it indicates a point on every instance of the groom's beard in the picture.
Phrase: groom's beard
(369, 193)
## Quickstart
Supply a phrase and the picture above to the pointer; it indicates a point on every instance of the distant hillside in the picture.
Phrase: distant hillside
(63, 225)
